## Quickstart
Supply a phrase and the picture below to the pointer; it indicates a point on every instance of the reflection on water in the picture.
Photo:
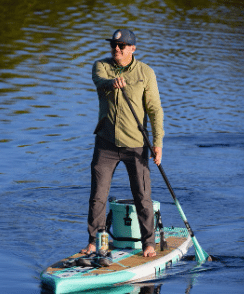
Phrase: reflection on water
(48, 110)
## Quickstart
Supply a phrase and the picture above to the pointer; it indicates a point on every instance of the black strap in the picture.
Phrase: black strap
(159, 223)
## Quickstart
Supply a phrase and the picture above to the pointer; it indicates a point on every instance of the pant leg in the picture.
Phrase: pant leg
(136, 161)
(105, 160)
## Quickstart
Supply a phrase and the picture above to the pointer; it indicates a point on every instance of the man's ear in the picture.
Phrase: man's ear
(133, 48)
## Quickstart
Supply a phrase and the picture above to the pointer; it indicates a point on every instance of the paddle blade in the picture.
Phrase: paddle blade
(200, 255)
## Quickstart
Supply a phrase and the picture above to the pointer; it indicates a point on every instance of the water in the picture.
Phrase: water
(48, 111)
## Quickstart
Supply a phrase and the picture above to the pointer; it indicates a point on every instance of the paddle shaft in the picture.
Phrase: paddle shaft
(202, 255)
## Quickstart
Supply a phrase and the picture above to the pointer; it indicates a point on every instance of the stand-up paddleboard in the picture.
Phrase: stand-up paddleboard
(117, 266)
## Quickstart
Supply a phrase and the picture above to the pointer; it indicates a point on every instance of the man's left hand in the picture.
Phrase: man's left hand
(158, 153)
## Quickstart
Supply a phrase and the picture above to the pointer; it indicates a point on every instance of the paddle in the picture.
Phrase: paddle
(200, 255)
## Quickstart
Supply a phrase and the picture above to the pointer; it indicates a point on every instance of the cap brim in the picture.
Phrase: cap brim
(112, 40)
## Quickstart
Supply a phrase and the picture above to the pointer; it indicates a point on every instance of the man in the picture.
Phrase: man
(118, 137)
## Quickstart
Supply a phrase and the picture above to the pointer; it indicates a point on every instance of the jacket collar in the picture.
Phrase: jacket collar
(124, 68)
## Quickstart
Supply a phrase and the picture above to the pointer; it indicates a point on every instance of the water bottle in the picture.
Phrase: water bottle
(102, 240)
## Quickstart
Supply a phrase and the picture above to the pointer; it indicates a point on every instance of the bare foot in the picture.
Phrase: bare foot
(149, 252)
(89, 249)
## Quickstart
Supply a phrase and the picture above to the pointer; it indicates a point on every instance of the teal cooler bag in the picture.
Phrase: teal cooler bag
(125, 223)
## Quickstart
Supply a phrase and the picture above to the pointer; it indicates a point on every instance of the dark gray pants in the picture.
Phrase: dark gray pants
(106, 157)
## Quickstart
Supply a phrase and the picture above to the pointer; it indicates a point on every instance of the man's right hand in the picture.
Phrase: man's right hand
(119, 83)
(158, 154)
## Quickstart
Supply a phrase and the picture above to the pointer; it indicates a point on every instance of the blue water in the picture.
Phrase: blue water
(49, 109)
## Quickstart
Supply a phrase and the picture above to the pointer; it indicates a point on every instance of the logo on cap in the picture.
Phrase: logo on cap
(117, 35)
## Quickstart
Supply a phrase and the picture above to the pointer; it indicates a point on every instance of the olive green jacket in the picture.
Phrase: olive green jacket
(116, 122)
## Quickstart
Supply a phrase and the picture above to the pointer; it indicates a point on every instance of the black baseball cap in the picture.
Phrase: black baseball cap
(123, 36)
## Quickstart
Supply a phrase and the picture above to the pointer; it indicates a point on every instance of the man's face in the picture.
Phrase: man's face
(122, 53)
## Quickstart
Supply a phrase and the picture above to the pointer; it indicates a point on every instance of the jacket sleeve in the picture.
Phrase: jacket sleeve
(154, 108)
(100, 77)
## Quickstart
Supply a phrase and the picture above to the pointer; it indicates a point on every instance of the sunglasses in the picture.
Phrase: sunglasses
(121, 45)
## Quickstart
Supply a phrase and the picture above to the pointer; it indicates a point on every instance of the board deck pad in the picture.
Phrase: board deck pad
(128, 266)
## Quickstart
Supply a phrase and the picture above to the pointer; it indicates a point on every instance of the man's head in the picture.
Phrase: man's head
(122, 46)
(123, 36)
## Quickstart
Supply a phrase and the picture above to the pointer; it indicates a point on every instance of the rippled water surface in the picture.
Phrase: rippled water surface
(49, 109)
